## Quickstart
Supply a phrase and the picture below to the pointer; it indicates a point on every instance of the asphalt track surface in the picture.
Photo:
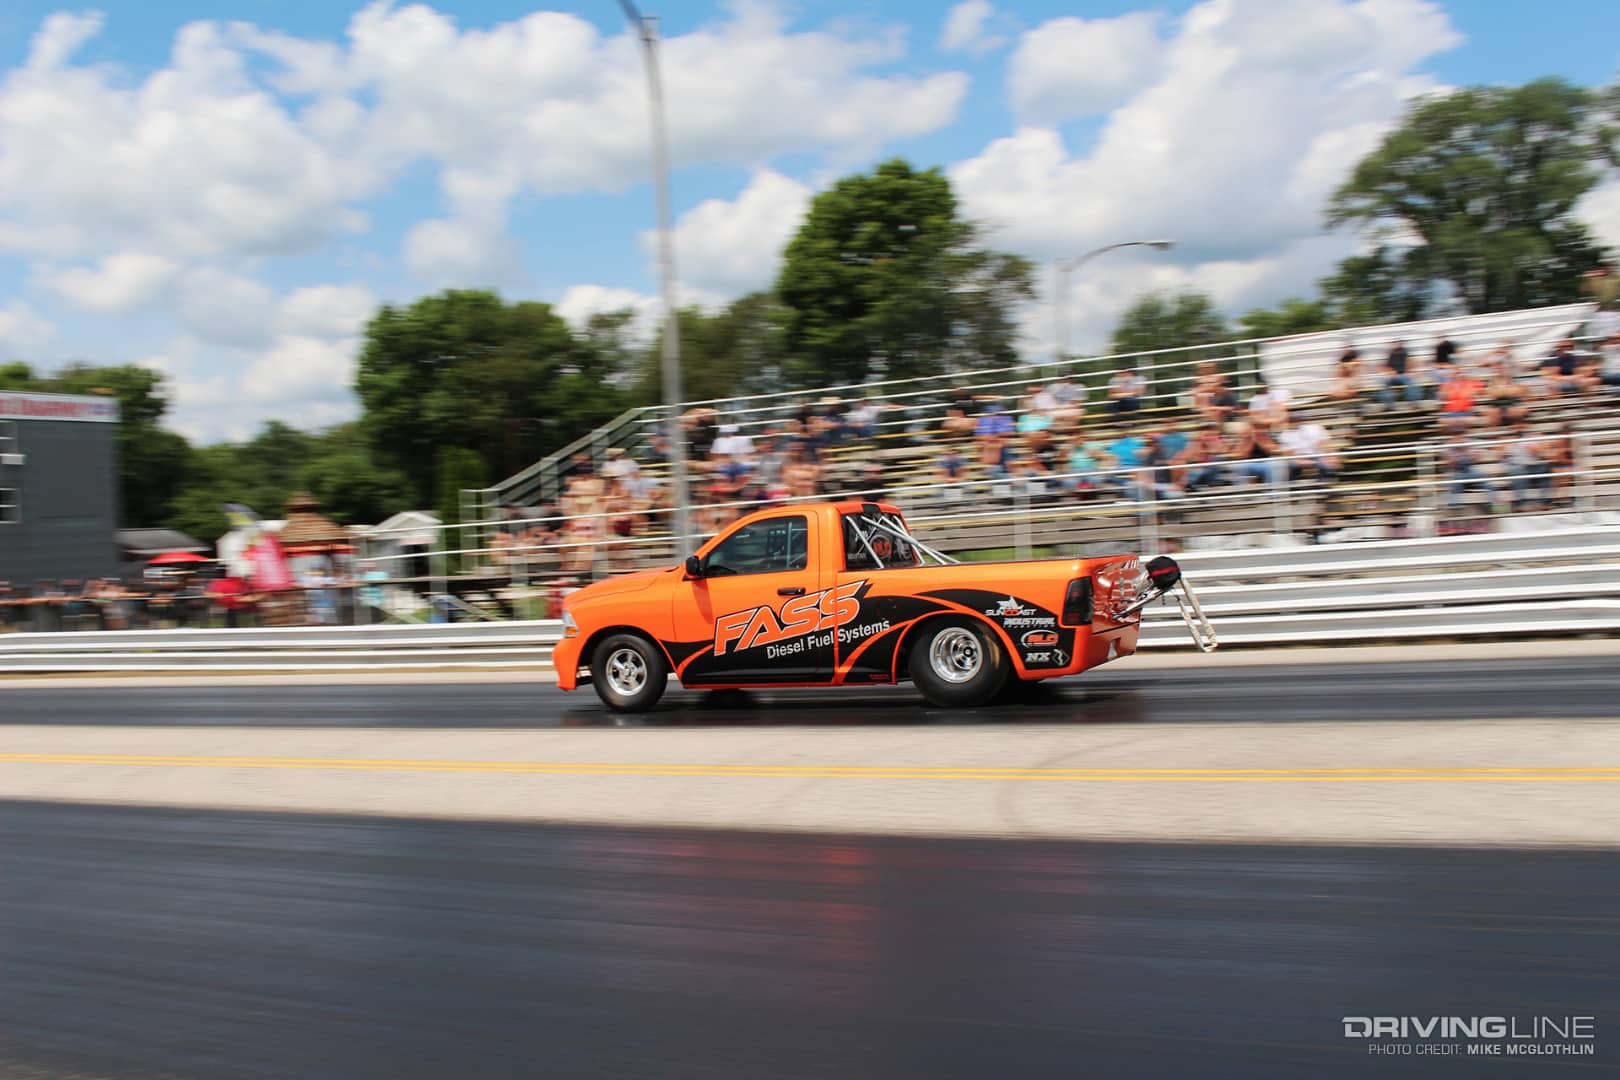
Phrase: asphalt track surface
(146, 942)
(1431, 690)
(172, 943)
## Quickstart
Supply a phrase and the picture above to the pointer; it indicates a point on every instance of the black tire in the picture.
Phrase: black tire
(628, 672)
(957, 663)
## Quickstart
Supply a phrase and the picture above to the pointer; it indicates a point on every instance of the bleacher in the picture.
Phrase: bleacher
(1388, 487)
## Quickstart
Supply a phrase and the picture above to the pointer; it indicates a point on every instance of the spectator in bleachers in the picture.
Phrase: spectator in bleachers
(1565, 371)
(860, 421)
(992, 433)
(825, 426)
(959, 420)
(1529, 471)
(1254, 454)
(1156, 479)
(1347, 377)
(1445, 356)
(1503, 397)
(1213, 395)
(1463, 459)
(1084, 464)
(1269, 405)
(1400, 374)
(701, 426)
(1459, 393)
(1125, 392)
(768, 465)
(1559, 452)
(1035, 421)
(1310, 447)
(1203, 459)
(584, 500)
(1070, 402)
(801, 475)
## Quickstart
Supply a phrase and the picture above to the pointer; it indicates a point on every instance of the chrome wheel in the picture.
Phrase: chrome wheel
(956, 655)
(626, 672)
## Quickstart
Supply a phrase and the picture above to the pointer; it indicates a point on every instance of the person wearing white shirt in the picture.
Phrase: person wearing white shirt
(1309, 444)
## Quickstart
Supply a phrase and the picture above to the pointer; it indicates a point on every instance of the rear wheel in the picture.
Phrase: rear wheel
(629, 673)
(957, 663)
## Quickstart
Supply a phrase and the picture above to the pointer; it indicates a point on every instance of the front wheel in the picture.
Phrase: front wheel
(958, 663)
(629, 673)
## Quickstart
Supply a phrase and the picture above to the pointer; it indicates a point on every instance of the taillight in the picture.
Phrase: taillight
(1077, 603)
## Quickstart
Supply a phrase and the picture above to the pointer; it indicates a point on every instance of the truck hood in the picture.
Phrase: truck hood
(616, 586)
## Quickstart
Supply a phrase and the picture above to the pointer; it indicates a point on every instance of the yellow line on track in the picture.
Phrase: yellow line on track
(834, 772)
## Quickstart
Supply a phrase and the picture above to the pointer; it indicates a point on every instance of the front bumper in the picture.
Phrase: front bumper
(565, 657)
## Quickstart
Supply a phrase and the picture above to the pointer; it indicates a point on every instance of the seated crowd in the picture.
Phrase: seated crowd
(1058, 443)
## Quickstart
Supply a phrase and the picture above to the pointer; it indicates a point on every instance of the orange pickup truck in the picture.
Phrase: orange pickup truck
(841, 594)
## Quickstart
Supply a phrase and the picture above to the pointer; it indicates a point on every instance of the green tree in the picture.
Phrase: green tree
(1157, 321)
(335, 465)
(463, 370)
(884, 277)
(1293, 316)
(734, 351)
(1473, 194)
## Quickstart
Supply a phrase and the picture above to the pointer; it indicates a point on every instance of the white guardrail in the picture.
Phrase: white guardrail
(1555, 581)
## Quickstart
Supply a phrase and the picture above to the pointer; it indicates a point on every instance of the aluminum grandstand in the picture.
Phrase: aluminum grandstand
(1303, 449)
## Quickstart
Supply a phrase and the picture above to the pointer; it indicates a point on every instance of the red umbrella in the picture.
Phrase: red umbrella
(175, 558)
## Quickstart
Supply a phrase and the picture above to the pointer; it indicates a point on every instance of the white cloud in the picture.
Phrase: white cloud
(1231, 150)
(301, 369)
(1068, 67)
(23, 330)
(734, 247)
(193, 160)
(964, 29)
(225, 308)
(117, 285)
(1600, 210)
(580, 302)
(333, 311)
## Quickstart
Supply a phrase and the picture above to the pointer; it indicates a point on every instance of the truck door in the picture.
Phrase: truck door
(757, 608)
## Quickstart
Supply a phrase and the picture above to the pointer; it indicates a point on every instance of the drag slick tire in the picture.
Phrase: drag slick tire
(628, 672)
(957, 662)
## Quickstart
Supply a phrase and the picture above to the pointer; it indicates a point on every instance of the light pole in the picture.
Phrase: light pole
(1065, 267)
(647, 29)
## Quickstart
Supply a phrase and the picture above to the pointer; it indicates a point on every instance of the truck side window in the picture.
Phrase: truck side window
(775, 546)
(891, 550)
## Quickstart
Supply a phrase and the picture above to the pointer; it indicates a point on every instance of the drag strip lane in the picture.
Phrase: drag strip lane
(1472, 689)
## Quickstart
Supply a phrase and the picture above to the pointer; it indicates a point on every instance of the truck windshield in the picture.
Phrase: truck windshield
(868, 548)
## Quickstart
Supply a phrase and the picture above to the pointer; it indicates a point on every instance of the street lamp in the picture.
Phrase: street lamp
(1065, 267)
(646, 27)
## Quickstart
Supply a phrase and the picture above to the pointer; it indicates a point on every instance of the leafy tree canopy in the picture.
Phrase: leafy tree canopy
(1473, 195)
(884, 277)
(465, 370)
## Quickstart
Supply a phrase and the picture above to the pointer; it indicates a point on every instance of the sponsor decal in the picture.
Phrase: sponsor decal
(793, 627)
(1037, 639)
(1010, 608)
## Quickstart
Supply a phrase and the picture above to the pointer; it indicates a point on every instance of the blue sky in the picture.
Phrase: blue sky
(225, 191)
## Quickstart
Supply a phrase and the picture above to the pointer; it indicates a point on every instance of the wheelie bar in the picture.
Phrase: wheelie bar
(1164, 577)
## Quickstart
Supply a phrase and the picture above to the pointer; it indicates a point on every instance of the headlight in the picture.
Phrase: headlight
(570, 627)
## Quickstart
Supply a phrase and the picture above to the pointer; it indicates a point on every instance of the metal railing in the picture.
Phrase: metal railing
(1554, 581)
(1295, 361)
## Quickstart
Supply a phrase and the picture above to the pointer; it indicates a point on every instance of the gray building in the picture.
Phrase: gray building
(58, 487)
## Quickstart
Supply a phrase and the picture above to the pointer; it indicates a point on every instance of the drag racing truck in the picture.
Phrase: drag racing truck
(842, 594)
